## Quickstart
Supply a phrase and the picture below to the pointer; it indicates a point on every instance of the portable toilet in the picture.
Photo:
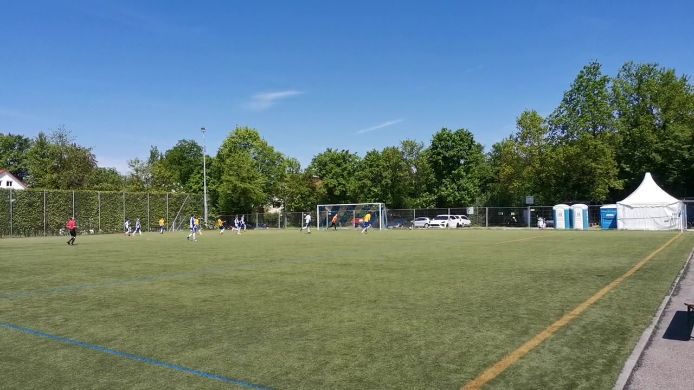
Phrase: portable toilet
(562, 216)
(608, 217)
(579, 215)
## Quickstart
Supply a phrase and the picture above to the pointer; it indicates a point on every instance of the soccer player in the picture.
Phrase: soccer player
(197, 226)
(126, 226)
(138, 227)
(220, 226)
(333, 222)
(237, 225)
(367, 223)
(307, 223)
(71, 226)
(161, 225)
(242, 223)
(193, 228)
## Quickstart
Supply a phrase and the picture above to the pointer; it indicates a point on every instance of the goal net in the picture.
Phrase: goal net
(350, 215)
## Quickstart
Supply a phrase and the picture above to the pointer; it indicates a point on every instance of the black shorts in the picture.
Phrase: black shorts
(73, 232)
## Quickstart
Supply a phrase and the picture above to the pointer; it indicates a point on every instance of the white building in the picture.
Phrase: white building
(9, 182)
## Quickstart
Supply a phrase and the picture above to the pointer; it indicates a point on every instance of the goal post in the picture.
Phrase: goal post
(351, 215)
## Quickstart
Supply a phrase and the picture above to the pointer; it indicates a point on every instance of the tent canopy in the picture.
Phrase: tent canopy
(649, 207)
(649, 193)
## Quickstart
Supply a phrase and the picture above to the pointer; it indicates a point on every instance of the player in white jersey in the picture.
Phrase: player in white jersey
(237, 225)
(138, 227)
(193, 228)
(126, 227)
(307, 223)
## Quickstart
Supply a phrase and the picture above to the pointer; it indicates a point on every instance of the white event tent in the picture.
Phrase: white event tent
(649, 207)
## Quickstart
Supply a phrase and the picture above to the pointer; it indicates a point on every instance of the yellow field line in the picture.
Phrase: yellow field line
(520, 239)
(510, 359)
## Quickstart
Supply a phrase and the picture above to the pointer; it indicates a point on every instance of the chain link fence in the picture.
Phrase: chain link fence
(44, 212)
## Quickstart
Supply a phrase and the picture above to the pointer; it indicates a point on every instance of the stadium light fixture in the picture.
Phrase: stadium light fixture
(204, 172)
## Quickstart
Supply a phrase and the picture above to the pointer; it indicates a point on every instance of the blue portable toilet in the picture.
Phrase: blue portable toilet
(608, 217)
(562, 216)
(579, 216)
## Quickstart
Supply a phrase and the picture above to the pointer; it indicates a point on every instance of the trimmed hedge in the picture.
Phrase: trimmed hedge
(44, 212)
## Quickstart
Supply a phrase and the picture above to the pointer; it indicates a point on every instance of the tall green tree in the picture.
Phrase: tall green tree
(180, 168)
(140, 177)
(655, 116)
(13, 154)
(297, 191)
(521, 163)
(382, 177)
(57, 162)
(585, 106)
(459, 166)
(249, 172)
(106, 179)
(420, 176)
(334, 173)
(583, 133)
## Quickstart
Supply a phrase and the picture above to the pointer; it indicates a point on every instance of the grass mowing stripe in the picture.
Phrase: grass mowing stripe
(130, 356)
(145, 279)
(520, 239)
(510, 359)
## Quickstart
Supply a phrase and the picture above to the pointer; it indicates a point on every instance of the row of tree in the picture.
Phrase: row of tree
(594, 147)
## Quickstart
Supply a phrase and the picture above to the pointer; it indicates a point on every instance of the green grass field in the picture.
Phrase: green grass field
(327, 310)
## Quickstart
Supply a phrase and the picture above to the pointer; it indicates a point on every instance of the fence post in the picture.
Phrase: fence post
(486, 217)
(10, 212)
(167, 208)
(44, 213)
(149, 225)
(73, 203)
(98, 197)
(528, 217)
(123, 207)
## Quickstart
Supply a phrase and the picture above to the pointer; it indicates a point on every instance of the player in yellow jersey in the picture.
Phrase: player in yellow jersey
(367, 223)
(220, 226)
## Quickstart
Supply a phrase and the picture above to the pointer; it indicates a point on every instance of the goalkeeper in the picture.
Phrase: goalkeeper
(333, 222)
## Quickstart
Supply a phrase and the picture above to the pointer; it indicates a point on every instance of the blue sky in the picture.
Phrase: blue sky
(358, 75)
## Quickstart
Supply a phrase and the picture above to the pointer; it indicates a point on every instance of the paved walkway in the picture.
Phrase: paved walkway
(664, 358)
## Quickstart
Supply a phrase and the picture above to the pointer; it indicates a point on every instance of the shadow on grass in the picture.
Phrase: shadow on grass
(680, 327)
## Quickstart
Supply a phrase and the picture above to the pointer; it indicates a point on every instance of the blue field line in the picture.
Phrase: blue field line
(130, 356)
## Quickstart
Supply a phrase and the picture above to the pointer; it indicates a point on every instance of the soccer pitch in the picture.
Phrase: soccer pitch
(426, 309)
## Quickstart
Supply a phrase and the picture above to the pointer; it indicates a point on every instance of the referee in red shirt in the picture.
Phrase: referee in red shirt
(71, 225)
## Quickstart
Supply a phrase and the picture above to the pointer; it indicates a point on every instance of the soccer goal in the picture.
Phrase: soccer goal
(350, 215)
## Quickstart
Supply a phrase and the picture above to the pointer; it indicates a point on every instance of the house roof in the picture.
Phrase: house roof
(16, 180)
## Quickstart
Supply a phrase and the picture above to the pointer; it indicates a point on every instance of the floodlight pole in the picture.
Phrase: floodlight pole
(204, 172)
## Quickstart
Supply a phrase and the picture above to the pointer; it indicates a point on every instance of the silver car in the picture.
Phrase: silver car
(421, 222)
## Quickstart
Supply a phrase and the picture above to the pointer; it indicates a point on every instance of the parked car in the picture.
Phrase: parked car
(444, 220)
(464, 221)
(421, 222)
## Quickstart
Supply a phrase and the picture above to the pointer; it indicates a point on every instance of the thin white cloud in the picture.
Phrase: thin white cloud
(265, 100)
(380, 126)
